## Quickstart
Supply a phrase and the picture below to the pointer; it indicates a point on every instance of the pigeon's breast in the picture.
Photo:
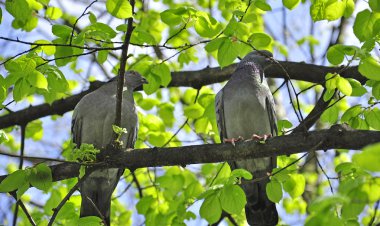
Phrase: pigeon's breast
(245, 113)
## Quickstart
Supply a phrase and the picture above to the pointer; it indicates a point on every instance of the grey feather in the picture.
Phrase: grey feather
(244, 107)
(92, 122)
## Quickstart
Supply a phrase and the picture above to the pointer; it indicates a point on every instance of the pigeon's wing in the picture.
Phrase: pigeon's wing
(76, 129)
(272, 122)
(219, 110)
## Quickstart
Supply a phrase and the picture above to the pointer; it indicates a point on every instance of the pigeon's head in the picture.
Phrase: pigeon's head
(133, 79)
(260, 57)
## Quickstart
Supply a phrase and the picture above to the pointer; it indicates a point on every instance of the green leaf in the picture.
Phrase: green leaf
(375, 5)
(370, 68)
(63, 55)
(13, 181)
(283, 124)
(154, 83)
(206, 26)
(90, 221)
(335, 55)
(260, 40)
(328, 95)
(121, 9)
(173, 17)
(352, 112)
(214, 44)
(21, 89)
(369, 158)
(274, 191)
(1, 15)
(41, 177)
(193, 190)
(330, 115)
(373, 118)
(194, 111)
(3, 93)
(295, 185)
(335, 10)
(323, 204)
(261, 4)
(163, 71)
(350, 7)
(92, 18)
(242, 173)
(166, 113)
(38, 80)
(34, 130)
(144, 204)
(232, 199)
(227, 53)
(211, 209)
(291, 4)
(53, 13)
(61, 31)
(331, 81)
(22, 189)
(3, 136)
(357, 88)
(344, 86)
(363, 25)
(53, 201)
(48, 50)
(376, 90)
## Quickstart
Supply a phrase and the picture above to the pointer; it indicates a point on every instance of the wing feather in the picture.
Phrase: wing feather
(219, 109)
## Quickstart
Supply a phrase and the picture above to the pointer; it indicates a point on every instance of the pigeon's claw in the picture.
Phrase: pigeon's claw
(262, 138)
(232, 140)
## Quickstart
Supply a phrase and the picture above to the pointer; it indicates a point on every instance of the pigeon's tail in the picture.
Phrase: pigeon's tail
(259, 210)
(96, 192)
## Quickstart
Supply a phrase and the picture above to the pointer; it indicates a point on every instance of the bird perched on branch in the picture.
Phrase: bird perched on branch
(92, 122)
(245, 108)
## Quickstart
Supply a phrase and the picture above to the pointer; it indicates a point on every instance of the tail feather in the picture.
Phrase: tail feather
(96, 192)
(259, 210)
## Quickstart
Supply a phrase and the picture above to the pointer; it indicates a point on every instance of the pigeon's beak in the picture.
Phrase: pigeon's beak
(144, 81)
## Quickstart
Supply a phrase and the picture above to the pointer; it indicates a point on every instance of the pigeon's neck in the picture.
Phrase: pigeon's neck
(251, 69)
(111, 89)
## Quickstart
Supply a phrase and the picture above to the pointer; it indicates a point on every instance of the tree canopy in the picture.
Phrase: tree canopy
(325, 78)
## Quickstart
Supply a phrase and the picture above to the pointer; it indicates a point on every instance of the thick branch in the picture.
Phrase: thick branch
(196, 79)
(338, 136)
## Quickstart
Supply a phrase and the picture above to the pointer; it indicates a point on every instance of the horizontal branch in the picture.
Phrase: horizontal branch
(337, 137)
(196, 79)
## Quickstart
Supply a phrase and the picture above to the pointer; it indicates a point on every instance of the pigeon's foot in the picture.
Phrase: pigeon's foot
(262, 138)
(233, 140)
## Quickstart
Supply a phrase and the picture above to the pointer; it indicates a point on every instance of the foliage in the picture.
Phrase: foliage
(173, 36)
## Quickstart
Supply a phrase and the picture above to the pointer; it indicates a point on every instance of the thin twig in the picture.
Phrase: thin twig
(21, 163)
(137, 185)
(374, 214)
(17, 55)
(23, 207)
(324, 173)
(97, 210)
(67, 197)
(77, 20)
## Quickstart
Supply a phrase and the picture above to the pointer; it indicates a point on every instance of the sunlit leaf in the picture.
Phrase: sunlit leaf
(211, 209)
(232, 199)
(274, 191)
(121, 9)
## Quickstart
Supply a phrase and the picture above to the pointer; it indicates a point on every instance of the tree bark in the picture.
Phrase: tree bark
(338, 136)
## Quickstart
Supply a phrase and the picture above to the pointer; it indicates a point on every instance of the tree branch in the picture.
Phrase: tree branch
(338, 136)
(196, 79)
